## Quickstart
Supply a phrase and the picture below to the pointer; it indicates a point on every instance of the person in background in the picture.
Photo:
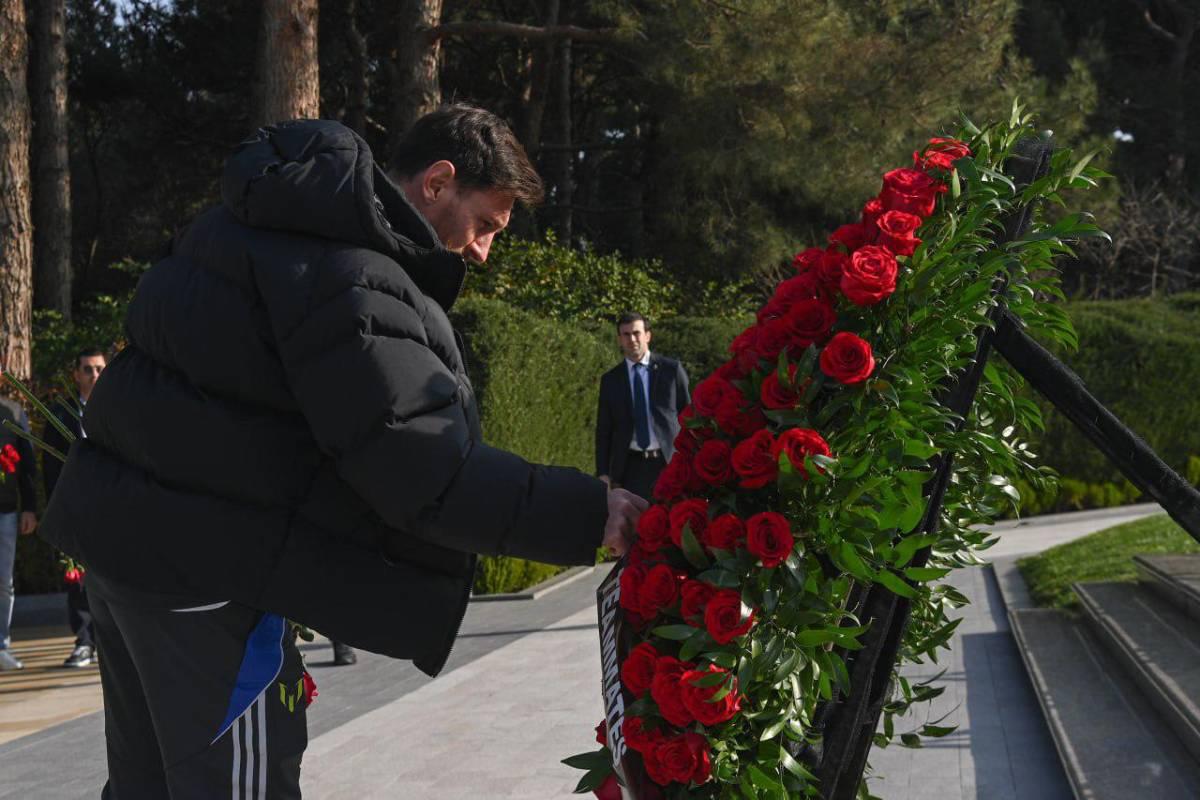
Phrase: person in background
(638, 416)
(18, 513)
(89, 363)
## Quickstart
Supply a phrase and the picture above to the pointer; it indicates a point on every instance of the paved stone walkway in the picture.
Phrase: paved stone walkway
(521, 693)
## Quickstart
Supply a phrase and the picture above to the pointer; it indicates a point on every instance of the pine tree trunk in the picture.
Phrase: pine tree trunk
(560, 165)
(539, 85)
(414, 66)
(358, 91)
(16, 228)
(51, 166)
(288, 85)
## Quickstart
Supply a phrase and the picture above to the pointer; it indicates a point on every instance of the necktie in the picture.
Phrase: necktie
(641, 412)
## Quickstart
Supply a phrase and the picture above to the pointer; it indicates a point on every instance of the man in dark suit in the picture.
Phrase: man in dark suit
(89, 364)
(638, 417)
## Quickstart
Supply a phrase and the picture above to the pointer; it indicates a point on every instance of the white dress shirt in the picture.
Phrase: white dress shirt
(633, 444)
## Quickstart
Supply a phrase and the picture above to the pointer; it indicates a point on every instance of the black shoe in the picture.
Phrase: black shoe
(83, 655)
(343, 655)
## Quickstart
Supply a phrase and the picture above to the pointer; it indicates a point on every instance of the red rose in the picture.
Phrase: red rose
(694, 514)
(686, 443)
(832, 264)
(73, 575)
(725, 532)
(610, 789)
(665, 690)
(896, 232)
(941, 153)
(808, 259)
(870, 276)
(698, 699)
(773, 337)
(637, 737)
(723, 616)
(310, 689)
(752, 460)
(638, 669)
(730, 371)
(871, 212)
(631, 583)
(851, 237)
(736, 418)
(602, 732)
(675, 479)
(654, 767)
(708, 394)
(847, 359)
(744, 348)
(777, 396)
(659, 590)
(798, 443)
(694, 597)
(654, 528)
(685, 758)
(809, 321)
(712, 462)
(769, 536)
(910, 190)
(793, 290)
(699, 433)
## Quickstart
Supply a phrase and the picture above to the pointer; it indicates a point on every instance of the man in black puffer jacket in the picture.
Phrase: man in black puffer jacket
(290, 433)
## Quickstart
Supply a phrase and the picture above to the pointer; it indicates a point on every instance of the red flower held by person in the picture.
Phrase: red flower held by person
(847, 359)
(753, 462)
(910, 190)
(9, 458)
(74, 575)
(694, 597)
(897, 232)
(638, 669)
(941, 153)
(712, 462)
(726, 532)
(699, 699)
(685, 758)
(769, 537)
(870, 277)
(692, 513)
(659, 590)
(667, 691)
(723, 617)
(798, 443)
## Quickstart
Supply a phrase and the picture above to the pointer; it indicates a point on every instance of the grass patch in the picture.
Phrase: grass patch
(1106, 555)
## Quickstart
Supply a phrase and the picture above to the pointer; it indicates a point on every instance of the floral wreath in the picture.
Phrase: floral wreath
(799, 475)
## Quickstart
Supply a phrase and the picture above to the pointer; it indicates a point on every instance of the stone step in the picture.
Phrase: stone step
(1108, 736)
(1175, 577)
(1158, 646)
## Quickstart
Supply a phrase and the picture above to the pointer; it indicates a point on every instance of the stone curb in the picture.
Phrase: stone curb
(540, 589)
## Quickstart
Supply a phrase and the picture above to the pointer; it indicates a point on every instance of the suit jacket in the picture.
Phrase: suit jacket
(614, 418)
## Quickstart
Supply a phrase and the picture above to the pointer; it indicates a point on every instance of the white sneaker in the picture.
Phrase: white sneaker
(8, 661)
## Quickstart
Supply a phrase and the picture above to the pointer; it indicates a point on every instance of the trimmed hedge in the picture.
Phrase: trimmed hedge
(1141, 358)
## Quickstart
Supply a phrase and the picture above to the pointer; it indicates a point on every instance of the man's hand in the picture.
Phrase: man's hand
(607, 480)
(624, 508)
(28, 523)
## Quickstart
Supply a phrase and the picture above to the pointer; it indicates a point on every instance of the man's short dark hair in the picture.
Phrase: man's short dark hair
(483, 149)
(631, 317)
(89, 352)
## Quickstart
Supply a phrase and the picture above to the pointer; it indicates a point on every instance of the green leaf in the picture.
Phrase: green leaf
(720, 577)
(925, 573)
(677, 633)
(761, 779)
(694, 644)
(937, 731)
(910, 740)
(786, 666)
(592, 780)
(597, 759)
(849, 559)
(895, 584)
(692, 550)
(773, 730)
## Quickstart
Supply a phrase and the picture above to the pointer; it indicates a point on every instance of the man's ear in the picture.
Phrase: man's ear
(436, 179)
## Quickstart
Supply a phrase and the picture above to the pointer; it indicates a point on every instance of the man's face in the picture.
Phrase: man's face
(465, 219)
(86, 372)
(634, 340)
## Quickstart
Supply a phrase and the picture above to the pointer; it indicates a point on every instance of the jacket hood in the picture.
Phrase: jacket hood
(318, 178)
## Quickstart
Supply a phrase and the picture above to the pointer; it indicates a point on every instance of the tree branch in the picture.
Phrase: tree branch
(532, 32)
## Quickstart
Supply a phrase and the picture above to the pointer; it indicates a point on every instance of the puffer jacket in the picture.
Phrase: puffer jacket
(291, 425)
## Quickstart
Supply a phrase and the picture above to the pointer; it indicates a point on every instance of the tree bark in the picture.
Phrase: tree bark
(1178, 40)
(51, 171)
(288, 85)
(359, 85)
(414, 66)
(560, 163)
(16, 227)
(539, 86)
